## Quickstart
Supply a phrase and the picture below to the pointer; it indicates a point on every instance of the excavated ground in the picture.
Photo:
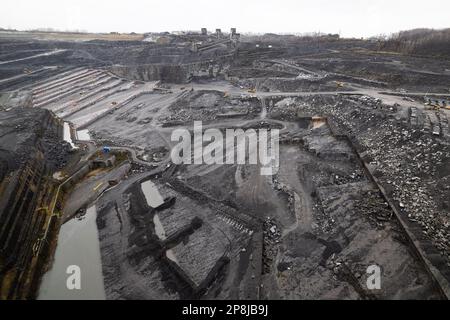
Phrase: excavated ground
(355, 137)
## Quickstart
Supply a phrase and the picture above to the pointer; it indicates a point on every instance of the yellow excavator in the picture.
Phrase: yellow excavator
(339, 84)
(435, 105)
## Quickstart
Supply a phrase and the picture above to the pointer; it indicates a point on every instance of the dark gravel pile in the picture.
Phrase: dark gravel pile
(25, 131)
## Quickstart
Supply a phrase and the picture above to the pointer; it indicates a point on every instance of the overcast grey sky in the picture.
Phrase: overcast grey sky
(358, 18)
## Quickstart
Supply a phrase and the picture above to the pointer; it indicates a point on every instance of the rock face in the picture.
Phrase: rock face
(31, 151)
(171, 73)
(152, 72)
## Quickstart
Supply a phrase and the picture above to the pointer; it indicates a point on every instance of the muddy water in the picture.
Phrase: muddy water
(78, 245)
(151, 194)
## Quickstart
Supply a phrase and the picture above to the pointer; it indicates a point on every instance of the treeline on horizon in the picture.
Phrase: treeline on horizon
(419, 42)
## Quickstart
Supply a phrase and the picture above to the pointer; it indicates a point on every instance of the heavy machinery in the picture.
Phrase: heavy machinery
(339, 84)
(429, 106)
(433, 104)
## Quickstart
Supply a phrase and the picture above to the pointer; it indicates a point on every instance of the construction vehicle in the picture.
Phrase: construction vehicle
(252, 90)
(429, 106)
(339, 84)
(435, 104)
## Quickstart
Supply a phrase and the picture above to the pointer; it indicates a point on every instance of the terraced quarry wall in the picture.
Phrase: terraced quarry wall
(26, 195)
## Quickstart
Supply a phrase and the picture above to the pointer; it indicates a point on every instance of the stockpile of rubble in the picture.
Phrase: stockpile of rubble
(415, 166)
(207, 106)
(25, 130)
(355, 176)
(351, 272)
(105, 138)
(374, 207)
(412, 165)
(286, 109)
(57, 151)
(271, 239)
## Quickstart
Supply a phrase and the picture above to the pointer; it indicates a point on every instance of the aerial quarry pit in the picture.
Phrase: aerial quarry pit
(86, 171)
